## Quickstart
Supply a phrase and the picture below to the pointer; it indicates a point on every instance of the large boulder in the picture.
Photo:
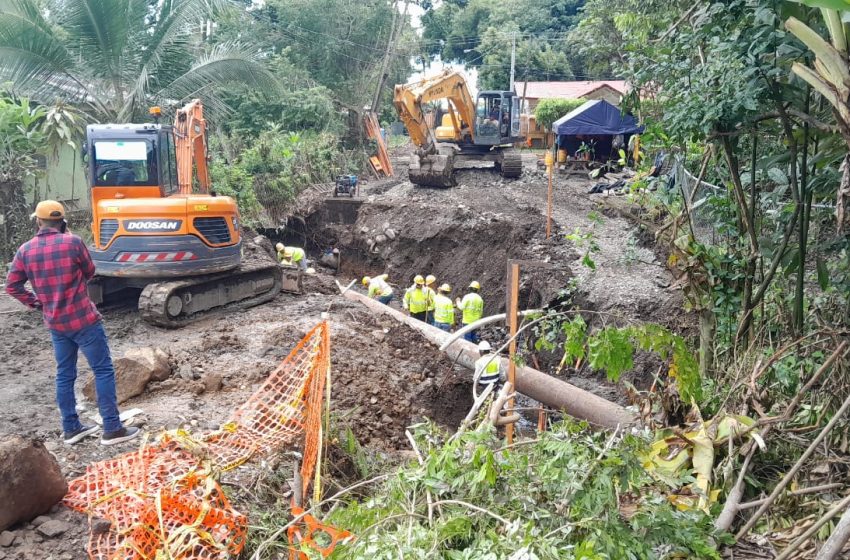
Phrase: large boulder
(133, 372)
(32, 480)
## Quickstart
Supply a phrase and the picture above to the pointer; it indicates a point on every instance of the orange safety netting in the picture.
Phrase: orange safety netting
(164, 499)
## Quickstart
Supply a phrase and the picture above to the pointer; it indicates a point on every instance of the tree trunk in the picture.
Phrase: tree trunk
(842, 201)
(832, 548)
(707, 326)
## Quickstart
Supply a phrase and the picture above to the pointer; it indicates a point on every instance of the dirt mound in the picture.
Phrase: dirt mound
(408, 232)
(385, 376)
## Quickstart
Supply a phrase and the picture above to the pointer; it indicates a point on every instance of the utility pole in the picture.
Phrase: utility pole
(513, 58)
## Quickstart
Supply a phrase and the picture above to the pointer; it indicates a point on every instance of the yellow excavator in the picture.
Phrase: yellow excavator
(156, 232)
(482, 129)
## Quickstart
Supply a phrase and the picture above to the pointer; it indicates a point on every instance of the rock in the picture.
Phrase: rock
(390, 233)
(32, 480)
(185, 372)
(374, 400)
(53, 528)
(378, 335)
(387, 419)
(133, 372)
(40, 520)
(100, 526)
(386, 226)
(7, 538)
(212, 382)
(380, 239)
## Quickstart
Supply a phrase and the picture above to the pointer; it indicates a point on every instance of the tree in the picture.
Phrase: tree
(550, 110)
(115, 57)
(830, 77)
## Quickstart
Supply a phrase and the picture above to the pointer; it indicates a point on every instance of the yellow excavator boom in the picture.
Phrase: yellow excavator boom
(409, 100)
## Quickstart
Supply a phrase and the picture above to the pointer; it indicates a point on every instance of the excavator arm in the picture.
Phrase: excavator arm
(190, 142)
(450, 85)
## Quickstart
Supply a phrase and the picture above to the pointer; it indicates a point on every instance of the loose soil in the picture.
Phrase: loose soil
(385, 376)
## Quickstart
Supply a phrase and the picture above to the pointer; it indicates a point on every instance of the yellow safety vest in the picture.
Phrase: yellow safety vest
(444, 310)
(379, 287)
(487, 373)
(472, 306)
(416, 300)
(432, 295)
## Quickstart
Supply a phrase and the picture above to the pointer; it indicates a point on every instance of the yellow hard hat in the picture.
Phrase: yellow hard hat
(366, 280)
(445, 288)
(279, 246)
(475, 285)
(430, 279)
(287, 252)
(418, 280)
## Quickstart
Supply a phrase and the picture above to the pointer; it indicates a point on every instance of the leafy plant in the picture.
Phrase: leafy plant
(548, 111)
(573, 493)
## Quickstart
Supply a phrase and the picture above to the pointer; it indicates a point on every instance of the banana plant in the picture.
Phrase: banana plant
(829, 75)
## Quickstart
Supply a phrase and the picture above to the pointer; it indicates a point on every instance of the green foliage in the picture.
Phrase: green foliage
(271, 171)
(122, 56)
(559, 497)
(550, 110)
(479, 33)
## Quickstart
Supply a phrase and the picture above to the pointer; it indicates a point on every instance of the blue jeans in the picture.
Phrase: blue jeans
(92, 341)
(471, 336)
(385, 299)
(443, 326)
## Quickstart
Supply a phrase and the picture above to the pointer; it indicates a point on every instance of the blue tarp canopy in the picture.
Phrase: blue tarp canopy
(596, 117)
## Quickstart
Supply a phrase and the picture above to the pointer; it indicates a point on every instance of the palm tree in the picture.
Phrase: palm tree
(113, 58)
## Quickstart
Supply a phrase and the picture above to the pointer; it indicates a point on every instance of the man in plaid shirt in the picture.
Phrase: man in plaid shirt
(58, 267)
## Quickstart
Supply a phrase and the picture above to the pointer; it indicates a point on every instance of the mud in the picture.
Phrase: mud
(384, 375)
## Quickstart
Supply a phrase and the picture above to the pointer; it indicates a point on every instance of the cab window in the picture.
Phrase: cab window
(120, 163)
(169, 164)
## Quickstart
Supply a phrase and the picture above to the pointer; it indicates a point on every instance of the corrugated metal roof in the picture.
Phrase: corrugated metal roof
(566, 90)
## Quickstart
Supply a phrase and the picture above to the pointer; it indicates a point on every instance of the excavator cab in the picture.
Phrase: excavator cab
(496, 118)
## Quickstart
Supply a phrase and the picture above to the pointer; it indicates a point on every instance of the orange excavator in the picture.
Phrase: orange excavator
(159, 228)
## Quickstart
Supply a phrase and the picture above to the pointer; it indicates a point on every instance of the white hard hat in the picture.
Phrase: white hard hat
(279, 246)
(484, 346)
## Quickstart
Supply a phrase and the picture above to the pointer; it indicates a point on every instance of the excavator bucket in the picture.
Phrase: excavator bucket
(434, 170)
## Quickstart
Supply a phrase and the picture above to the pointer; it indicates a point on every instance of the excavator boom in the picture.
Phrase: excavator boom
(190, 142)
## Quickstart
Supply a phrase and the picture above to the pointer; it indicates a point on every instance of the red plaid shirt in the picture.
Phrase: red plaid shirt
(58, 266)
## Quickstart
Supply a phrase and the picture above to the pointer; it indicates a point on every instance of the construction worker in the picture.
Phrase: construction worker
(488, 368)
(58, 267)
(292, 256)
(472, 307)
(416, 299)
(430, 280)
(378, 288)
(444, 309)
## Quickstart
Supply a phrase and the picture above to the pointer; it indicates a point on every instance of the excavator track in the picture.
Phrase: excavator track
(177, 303)
(511, 164)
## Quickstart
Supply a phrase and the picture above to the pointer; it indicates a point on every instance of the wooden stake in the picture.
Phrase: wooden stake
(513, 286)
(549, 205)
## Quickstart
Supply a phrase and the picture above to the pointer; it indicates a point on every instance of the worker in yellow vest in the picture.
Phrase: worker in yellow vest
(430, 280)
(293, 256)
(416, 299)
(378, 288)
(472, 307)
(444, 309)
(488, 368)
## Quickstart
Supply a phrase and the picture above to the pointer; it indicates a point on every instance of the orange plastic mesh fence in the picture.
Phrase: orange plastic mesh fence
(165, 498)
(305, 532)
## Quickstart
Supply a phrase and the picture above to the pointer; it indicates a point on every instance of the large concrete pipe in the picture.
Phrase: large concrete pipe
(529, 381)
